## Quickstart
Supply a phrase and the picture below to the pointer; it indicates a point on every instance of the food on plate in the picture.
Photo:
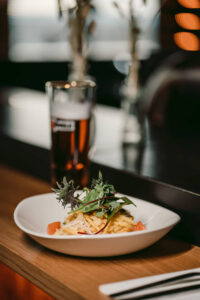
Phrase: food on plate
(94, 210)
(52, 227)
(90, 223)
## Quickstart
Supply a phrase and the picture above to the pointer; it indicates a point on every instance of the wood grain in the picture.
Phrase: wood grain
(67, 277)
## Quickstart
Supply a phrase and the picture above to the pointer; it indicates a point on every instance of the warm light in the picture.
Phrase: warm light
(79, 166)
(67, 85)
(190, 3)
(68, 166)
(187, 41)
(73, 83)
(188, 21)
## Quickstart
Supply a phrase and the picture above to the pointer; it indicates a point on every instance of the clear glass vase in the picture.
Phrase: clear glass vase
(132, 132)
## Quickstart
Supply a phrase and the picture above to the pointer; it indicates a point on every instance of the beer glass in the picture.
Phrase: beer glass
(71, 105)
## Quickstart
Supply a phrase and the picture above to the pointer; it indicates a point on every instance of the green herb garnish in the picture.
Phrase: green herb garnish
(100, 197)
(65, 193)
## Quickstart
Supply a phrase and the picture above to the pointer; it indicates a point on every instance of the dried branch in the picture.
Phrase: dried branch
(59, 8)
(118, 7)
(78, 35)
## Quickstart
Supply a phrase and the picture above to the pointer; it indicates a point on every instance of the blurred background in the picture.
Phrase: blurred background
(35, 48)
(34, 44)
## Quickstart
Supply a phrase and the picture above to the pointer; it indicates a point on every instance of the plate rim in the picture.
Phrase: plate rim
(87, 236)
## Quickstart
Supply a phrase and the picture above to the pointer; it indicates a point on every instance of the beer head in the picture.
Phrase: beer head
(71, 100)
(70, 110)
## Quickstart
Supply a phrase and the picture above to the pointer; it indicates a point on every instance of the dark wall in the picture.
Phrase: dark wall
(34, 75)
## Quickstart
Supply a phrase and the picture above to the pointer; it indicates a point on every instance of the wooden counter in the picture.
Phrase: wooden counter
(67, 277)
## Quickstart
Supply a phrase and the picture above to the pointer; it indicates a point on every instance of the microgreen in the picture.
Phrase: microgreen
(65, 193)
(100, 198)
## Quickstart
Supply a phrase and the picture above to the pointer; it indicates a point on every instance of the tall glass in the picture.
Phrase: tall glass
(71, 105)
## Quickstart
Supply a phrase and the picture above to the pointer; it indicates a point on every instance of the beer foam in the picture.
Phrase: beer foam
(70, 111)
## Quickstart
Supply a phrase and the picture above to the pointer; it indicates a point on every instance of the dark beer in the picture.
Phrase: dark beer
(70, 147)
(71, 107)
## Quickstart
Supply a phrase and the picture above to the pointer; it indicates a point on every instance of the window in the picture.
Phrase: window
(37, 34)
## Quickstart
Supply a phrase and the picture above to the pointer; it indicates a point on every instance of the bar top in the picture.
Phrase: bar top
(68, 277)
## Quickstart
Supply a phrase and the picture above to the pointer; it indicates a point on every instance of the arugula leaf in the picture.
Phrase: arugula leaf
(127, 201)
(101, 213)
(114, 211)
(114, 204)
(102, 187)
(92, 195)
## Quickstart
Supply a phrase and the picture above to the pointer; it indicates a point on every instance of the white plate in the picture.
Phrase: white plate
(33, 214)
